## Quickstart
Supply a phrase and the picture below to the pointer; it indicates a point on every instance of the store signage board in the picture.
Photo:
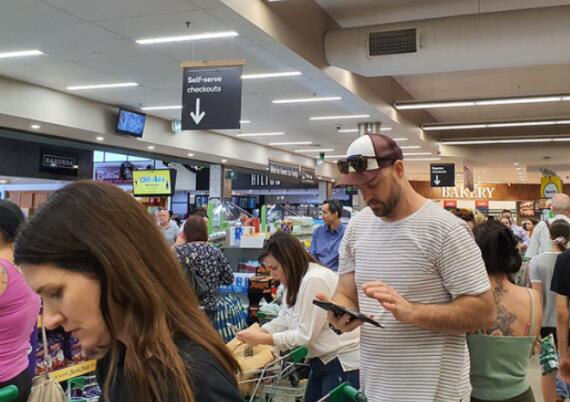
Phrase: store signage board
(284, 169)
(58, 163)
(468, 181)
(461, 192)
(481, 204)
(158, 182)
(550, 186)
(450, 204)
(211, 95)
(442, 175)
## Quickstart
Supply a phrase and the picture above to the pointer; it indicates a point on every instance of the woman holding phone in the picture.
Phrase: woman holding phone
(333, 358)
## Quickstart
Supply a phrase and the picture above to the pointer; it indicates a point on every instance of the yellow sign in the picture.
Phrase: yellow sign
(75, 370)
(152, 182)
(550, 186)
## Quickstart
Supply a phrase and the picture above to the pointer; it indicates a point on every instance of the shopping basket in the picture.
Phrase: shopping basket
(9, 393)
(344, 392)
(265, 381)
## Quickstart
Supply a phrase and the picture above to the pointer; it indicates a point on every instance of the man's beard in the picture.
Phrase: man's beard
(383, 209)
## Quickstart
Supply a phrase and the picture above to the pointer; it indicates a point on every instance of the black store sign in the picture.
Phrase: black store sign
(58, 162)
(307, 175)
(442, 175)
(284, 169)
(211, 98)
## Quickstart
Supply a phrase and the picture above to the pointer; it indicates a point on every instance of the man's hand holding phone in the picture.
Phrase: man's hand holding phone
(344, 322)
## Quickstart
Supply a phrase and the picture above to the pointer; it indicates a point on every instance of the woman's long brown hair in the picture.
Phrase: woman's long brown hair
(98, 229)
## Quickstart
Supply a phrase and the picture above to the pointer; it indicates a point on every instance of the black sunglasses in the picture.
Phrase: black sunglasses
(360, 163)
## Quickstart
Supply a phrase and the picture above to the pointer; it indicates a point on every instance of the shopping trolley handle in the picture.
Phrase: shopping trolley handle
(299, 354)
(344, 392)
(9, 393)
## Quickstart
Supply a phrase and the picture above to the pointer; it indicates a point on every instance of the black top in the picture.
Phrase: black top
(210, 380)
(210, 265)
(561, 278)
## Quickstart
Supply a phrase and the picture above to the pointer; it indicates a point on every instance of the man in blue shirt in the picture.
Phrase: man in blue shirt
(327, 238)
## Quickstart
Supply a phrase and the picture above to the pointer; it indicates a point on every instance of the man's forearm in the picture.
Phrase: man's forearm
(562, 332)
(464, 314)
(343, 299)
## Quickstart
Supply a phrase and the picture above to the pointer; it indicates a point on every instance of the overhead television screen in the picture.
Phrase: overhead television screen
(131, 123)
(151, 183)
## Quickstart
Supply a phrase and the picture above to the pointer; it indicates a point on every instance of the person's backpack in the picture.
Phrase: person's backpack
(196, 281)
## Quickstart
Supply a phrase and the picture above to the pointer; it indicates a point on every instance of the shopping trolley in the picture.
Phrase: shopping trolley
(344, 392)
(9, 393)
(265, 383)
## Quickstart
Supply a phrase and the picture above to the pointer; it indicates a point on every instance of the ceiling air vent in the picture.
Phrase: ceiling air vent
(392, 42)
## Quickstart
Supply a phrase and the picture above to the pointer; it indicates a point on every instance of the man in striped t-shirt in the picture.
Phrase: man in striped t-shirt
(416, 268)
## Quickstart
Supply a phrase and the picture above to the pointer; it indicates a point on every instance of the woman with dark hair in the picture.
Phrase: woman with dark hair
(108, 277)
(333, 358)
(500, 353)
(541, 272)
(19, 307)
(205, 266)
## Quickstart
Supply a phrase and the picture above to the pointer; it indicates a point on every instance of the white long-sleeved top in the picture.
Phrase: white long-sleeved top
(540, 241)
(306, 324)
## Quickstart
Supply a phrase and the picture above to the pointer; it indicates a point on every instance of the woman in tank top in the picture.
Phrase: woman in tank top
(19, 308)
(499, 354)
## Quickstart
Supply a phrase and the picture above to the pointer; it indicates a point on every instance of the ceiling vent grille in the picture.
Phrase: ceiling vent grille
(392, 42)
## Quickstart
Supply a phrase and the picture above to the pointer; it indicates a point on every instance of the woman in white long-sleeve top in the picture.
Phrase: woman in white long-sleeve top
(333, 358)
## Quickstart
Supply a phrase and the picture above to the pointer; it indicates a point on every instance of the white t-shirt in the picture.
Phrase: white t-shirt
(428, 257)
(306, 324)
(540, 241)
(541, 271)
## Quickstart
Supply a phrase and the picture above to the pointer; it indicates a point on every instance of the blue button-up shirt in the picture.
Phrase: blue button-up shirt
(325, 244)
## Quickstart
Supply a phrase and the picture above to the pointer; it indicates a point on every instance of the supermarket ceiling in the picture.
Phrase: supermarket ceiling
(90, 42)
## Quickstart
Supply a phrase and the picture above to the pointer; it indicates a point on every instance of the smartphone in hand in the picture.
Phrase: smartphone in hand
(340, 311)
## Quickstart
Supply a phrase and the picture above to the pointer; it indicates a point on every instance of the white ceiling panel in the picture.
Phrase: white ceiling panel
(106, 9)
(34, 16)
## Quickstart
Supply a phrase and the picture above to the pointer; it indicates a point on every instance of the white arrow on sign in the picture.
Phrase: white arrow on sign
(436, 180)
(197, 116)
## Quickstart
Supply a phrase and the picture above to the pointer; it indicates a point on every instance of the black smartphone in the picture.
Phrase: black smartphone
(340, 311)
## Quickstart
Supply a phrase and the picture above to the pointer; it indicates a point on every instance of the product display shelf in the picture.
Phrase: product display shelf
(73, 371)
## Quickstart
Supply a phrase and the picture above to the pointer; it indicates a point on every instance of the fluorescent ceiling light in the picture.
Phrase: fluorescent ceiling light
(21, 53)
(270, 75)
(244, 121)
(516, 163)
(348, 130)
(190, 155)
(184, 38)
(35, 126)
(481, 102)
(173, 107)
(464, 126)
(315, 150)
(334, 156)
(340, 117)
(453, 127)
(224, 161)
(307, 100)
(416, 153)
(100, 138)
(400, 139)
(273, 134)
(499, 141)
(102, 86)
(560, 139)
(151, 147)
(411, 147)
(385, 128)
(422, 159)
(290, 143)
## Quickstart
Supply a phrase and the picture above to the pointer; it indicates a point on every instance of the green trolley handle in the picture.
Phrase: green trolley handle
(9, 393)
(345, 392)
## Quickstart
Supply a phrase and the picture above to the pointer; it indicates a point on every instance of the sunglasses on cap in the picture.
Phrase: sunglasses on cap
(360, 163)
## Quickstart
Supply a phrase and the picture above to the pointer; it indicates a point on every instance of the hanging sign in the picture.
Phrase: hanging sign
(211, 95)
(284, 169)
(550, 186)
(442, 175)
(307, 175)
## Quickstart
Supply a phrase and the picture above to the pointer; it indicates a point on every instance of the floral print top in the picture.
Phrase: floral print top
(208, 263)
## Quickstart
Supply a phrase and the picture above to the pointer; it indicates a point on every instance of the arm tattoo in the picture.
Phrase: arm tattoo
(502, 325)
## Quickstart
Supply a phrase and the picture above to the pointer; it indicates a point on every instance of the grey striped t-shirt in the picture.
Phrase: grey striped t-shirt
(428, 257)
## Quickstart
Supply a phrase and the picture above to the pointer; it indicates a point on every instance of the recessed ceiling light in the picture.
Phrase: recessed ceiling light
(269, 134)
(151, 147)
(224, 161)
(102, 86)
(516, 163)
(244, 121)
(410, 147)
(173, 107)
(21, 53)
(185, 38)
(480, 102)
(290, 143)
(518, 168)
(35, 126)
(100, 138)
(416, 153)
(340, 117)
(308, 150)
(307, 100)
(270, 75)
(190, 155)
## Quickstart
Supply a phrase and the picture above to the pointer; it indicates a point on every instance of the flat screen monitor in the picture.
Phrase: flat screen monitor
(152, 183)
(131, 123)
